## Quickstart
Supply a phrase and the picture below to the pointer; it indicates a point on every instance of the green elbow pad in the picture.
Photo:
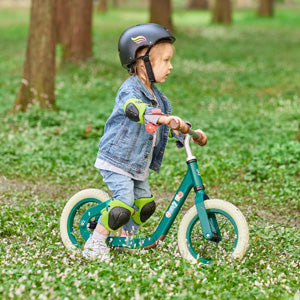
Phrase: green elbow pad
(135, 109)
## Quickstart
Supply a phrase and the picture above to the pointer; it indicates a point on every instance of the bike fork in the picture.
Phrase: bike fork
(209, 224)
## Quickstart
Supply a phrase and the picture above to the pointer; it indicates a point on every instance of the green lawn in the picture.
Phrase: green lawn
(240, 84)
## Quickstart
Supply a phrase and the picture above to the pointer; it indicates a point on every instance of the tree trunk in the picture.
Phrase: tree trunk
(197, 4)
(222, 12)
(266, 8)
(102, 6)
(298, 135)
(62, 21)
(75, 29)
(119, 3)
(160, 13)
(37, 85)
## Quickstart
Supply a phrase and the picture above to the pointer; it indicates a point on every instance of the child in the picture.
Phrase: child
(133, 141)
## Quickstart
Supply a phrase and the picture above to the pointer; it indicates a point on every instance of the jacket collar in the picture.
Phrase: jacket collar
(136, 79)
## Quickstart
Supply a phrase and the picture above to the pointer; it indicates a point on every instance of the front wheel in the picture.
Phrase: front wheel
(80, 216)
(230, 229)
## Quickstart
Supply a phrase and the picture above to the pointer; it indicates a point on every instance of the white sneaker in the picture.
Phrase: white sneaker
(96, 249)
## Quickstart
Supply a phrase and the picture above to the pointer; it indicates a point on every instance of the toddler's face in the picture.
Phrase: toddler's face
(160, 58)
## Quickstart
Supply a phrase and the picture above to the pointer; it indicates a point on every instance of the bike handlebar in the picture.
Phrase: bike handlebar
(184, 128)
(176, 123)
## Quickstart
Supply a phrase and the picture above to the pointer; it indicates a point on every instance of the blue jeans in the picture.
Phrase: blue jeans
(126, 190)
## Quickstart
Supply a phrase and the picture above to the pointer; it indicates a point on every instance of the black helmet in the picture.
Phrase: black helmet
(139, 36)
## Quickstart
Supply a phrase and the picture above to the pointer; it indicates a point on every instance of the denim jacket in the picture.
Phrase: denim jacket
(127, 144)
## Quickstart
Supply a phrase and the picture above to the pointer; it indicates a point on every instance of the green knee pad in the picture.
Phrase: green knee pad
(146, 208)
(115, 215)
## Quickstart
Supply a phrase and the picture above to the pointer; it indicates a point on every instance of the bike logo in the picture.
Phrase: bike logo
(179, 196)
(171, 209)
(139, 39)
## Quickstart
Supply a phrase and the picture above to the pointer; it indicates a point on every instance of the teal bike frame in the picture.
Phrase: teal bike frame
(191, 180)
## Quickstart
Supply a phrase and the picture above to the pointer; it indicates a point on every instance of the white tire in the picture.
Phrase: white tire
(233, 228)
(96, 196)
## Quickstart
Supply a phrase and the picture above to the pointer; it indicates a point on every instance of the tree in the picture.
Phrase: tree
(37, 84)
(160, 13)
(266, 8)
(102, 6)
(222, 11)
(62, 21)
(298, 134)
(197, 4)
(74, 29)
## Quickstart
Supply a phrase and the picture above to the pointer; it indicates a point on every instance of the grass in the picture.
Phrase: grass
(240, 84)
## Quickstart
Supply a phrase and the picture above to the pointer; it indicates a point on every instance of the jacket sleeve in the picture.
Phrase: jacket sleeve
(179, 137)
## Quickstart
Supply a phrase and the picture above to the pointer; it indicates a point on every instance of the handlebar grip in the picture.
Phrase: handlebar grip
(194, 134)
(184, 128)
(178, 124)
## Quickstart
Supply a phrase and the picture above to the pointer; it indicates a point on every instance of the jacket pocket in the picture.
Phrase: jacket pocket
(121, 136)
(124, 145)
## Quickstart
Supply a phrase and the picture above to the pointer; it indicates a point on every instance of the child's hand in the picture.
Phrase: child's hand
(202, 140)
(167, 120)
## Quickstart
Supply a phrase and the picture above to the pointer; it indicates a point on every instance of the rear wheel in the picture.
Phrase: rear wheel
(231, 234)
(80, 216)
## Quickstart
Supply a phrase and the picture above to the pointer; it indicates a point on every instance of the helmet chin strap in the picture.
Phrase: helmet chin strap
(148, 66)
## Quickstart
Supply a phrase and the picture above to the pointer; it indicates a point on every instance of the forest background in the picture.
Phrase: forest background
(239, 83)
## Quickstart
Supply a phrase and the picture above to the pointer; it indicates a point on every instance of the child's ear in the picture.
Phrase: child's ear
(140, 64)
